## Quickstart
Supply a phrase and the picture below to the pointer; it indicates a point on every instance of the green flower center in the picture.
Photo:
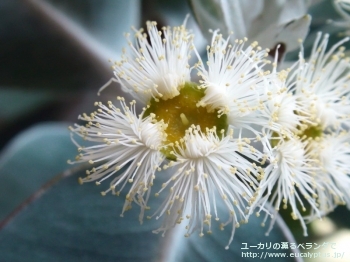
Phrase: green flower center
(311, 132)
(181, 112)
(307, 132)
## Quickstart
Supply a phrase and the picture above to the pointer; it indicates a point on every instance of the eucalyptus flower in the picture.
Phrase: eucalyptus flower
(186, 127)
(323, 84)
(288, 181)
(332, 180)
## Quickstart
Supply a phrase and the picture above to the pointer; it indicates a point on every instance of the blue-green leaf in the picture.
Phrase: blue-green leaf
(72, 222)
(15, 102)
(268, 22)
(30, 160)
(105, 20)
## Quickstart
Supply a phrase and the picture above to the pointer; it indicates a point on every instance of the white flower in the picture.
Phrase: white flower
(157, 67)
(234, 79)
(189, 124)
(269, 22)
(322, 84)
(283, 111)
(332, 180)
(209, 170)
(287, 181)
(121, 140)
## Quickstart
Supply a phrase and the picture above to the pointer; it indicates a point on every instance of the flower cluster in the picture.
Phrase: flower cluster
(241, 135)
(311, 102)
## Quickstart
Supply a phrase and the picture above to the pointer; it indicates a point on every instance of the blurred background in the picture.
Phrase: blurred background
(53, 59)
(54, 54)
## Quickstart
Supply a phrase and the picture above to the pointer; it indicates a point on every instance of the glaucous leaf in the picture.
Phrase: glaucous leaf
(105, 20)
(30, 160)
(15, 102)
(268, 22)
(70, 222)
